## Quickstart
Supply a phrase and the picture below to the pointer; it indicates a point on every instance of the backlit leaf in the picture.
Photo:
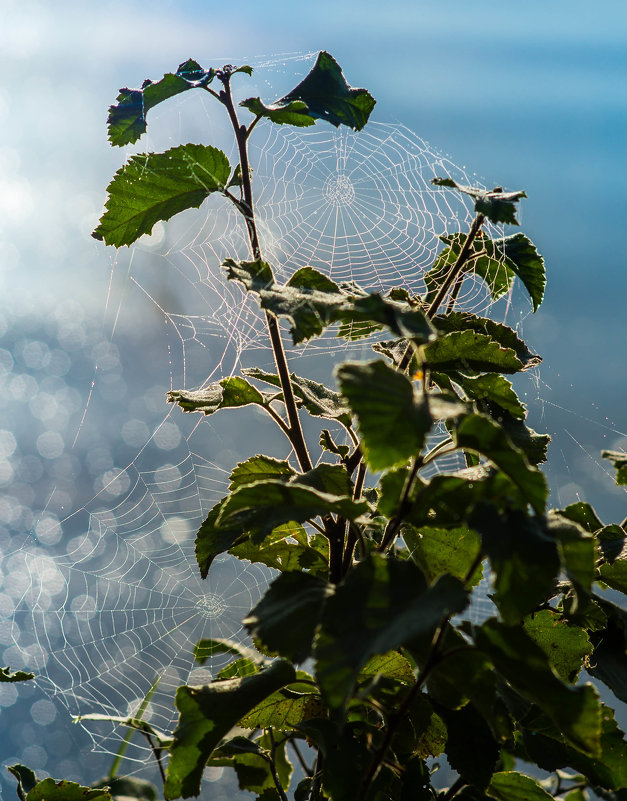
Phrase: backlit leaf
(619, 460)
(156, 186)
(207, 713)
(227, 393)
(468, 350)
(496, 205)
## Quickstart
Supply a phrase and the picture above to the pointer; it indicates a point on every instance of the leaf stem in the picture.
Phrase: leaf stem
(394, 524)
(273, 770)
(246, 207)
(306, 769)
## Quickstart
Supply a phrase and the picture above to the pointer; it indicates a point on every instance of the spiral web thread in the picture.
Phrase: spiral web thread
(116, 602)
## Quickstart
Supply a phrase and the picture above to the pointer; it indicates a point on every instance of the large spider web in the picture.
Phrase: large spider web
(105, 602)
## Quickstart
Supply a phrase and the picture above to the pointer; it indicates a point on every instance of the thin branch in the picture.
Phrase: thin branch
(306, 769)
(252, 125)
(452, 791)
(157, 755)
(246, 207)
(394, 525)
(273, 770)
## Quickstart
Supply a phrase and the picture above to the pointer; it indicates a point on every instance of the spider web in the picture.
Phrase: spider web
(109, 600)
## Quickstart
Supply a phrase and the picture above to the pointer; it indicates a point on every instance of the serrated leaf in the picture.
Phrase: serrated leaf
(320, 401)
(127, 120)
(312, 305)
(478, 433)
(496, 388)
(473, 757)
(468, 350)
(259, 468)
(260, 507)
(279, 552)
(619, 461)
(393, 416)
(9, 675)
(52, 790)
(156, 186)
(210, 647)
(294, 113)
(444, 550)
(575, 710)
(522, 258)
(497, 275)
(422, 732)
(285, 619)
(392, 665)
(582, 514)
(328, 96)
(227, 393)
(283, 710)
(608, 769)
(523, 557)
(512, 786)
(381, 604)
(566, 647)
(496, 205)
(499, 332)
(207, 713)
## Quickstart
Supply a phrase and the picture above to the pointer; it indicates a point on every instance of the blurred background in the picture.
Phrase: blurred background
(530, 96)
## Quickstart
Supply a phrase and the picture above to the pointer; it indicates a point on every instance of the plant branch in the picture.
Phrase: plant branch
(394, 524)
(306, 769)
(296, 435)
(157, 755)
(399, 712)
(273, 770)
(452, 791)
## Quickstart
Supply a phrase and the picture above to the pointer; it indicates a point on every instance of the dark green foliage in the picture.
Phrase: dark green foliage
(375, 572)
(6, 674)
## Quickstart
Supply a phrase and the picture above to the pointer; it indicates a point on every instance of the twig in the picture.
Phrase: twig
(296, 435)
(306, 769)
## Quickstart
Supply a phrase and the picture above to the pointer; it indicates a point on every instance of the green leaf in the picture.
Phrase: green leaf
(260, 507)
(608, 769)
(320, 401)
(422, 732)
(207, 714)
(495, 388)
(619, 460)
(26, 779)
(212, 540)
(582, 514)
(494, 271)
(277, 550)
(156, 186)
(283, 710)
(393, 415)
(566, 647)
(129, 786)
(524, 559)
(392, 665)
(312, 303)
(496, 205)
(51, 790)
(609, 660)
(381, 604)
(474, 756)
(259, 468)
(295, 112)
(479, 434)
(285, 619)
(127, 119)
(613, 568)
(503, 334)
(512, 786)
(204, 649)
(522, 258)
(326, 95)
(577, 548)
(468, 350)
(224, 394)
(444, 550)
(575, 710)
(6, 674)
